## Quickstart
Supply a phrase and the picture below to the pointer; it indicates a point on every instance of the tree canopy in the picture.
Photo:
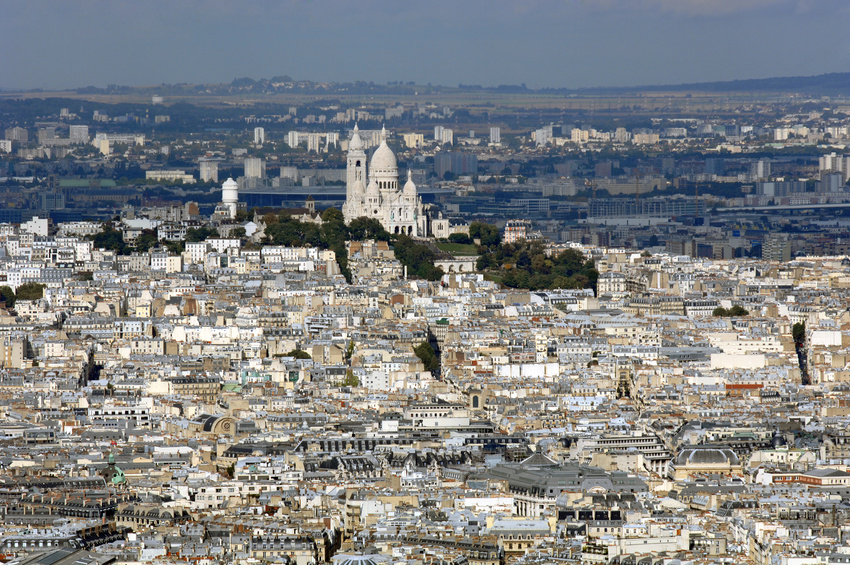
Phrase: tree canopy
(428, 356)
(417, 257)
(488, 234)
(526, 265)
(733, 312)
(298, 354)
(7, 295)
(798, 331)
(30, 291)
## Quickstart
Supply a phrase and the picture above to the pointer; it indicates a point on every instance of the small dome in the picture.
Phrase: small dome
(372, 189)
(358, 187)
(355, 144)
(383, 159)
(409, 187)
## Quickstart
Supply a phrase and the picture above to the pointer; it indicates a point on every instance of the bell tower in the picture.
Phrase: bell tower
(355, 176)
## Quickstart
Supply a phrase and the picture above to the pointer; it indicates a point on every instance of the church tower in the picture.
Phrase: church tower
(355, 181)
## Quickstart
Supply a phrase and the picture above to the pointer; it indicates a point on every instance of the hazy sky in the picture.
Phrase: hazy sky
(570, 43)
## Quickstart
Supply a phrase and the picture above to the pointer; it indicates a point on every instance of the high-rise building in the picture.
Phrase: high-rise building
(255, 168)
(776, 247)
(17, 134)
(495, 134)
(314, 142)
(761, 169)
(835, 163)
(46, 134)
(456, 163)
(209, 170)
(444, 135)
(413, 140)
(79, 134)
(259, 136)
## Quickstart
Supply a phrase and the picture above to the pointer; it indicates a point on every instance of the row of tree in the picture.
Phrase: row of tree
(333, 233)
(27, 291)
(526, 265)
(113, 240)
(735, 311)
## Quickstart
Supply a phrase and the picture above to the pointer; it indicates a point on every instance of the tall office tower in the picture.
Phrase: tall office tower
(259, 136)
(209, 170)
(79, 134)
(255, 168)
(495, 135)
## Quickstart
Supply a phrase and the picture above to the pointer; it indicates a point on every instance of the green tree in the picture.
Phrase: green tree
(238, 232)
(350, 379)
(417, 257)
(7, 295)
(30, 291)
(332, 215)
(460, 238)
(111, 239)
(734, 311)
(798, 331)
(298, 354)
(146, 240)
(175, 247)
(488, 234)
(194, 235)
(428, 356)
(367, 228)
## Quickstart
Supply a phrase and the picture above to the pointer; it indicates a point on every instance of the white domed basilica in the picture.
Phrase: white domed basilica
(378, 195)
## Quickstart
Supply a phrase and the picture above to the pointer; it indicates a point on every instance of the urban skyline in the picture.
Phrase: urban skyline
(401, 304)
(542, 44)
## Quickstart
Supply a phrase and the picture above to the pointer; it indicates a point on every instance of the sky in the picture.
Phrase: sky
(57, 44)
